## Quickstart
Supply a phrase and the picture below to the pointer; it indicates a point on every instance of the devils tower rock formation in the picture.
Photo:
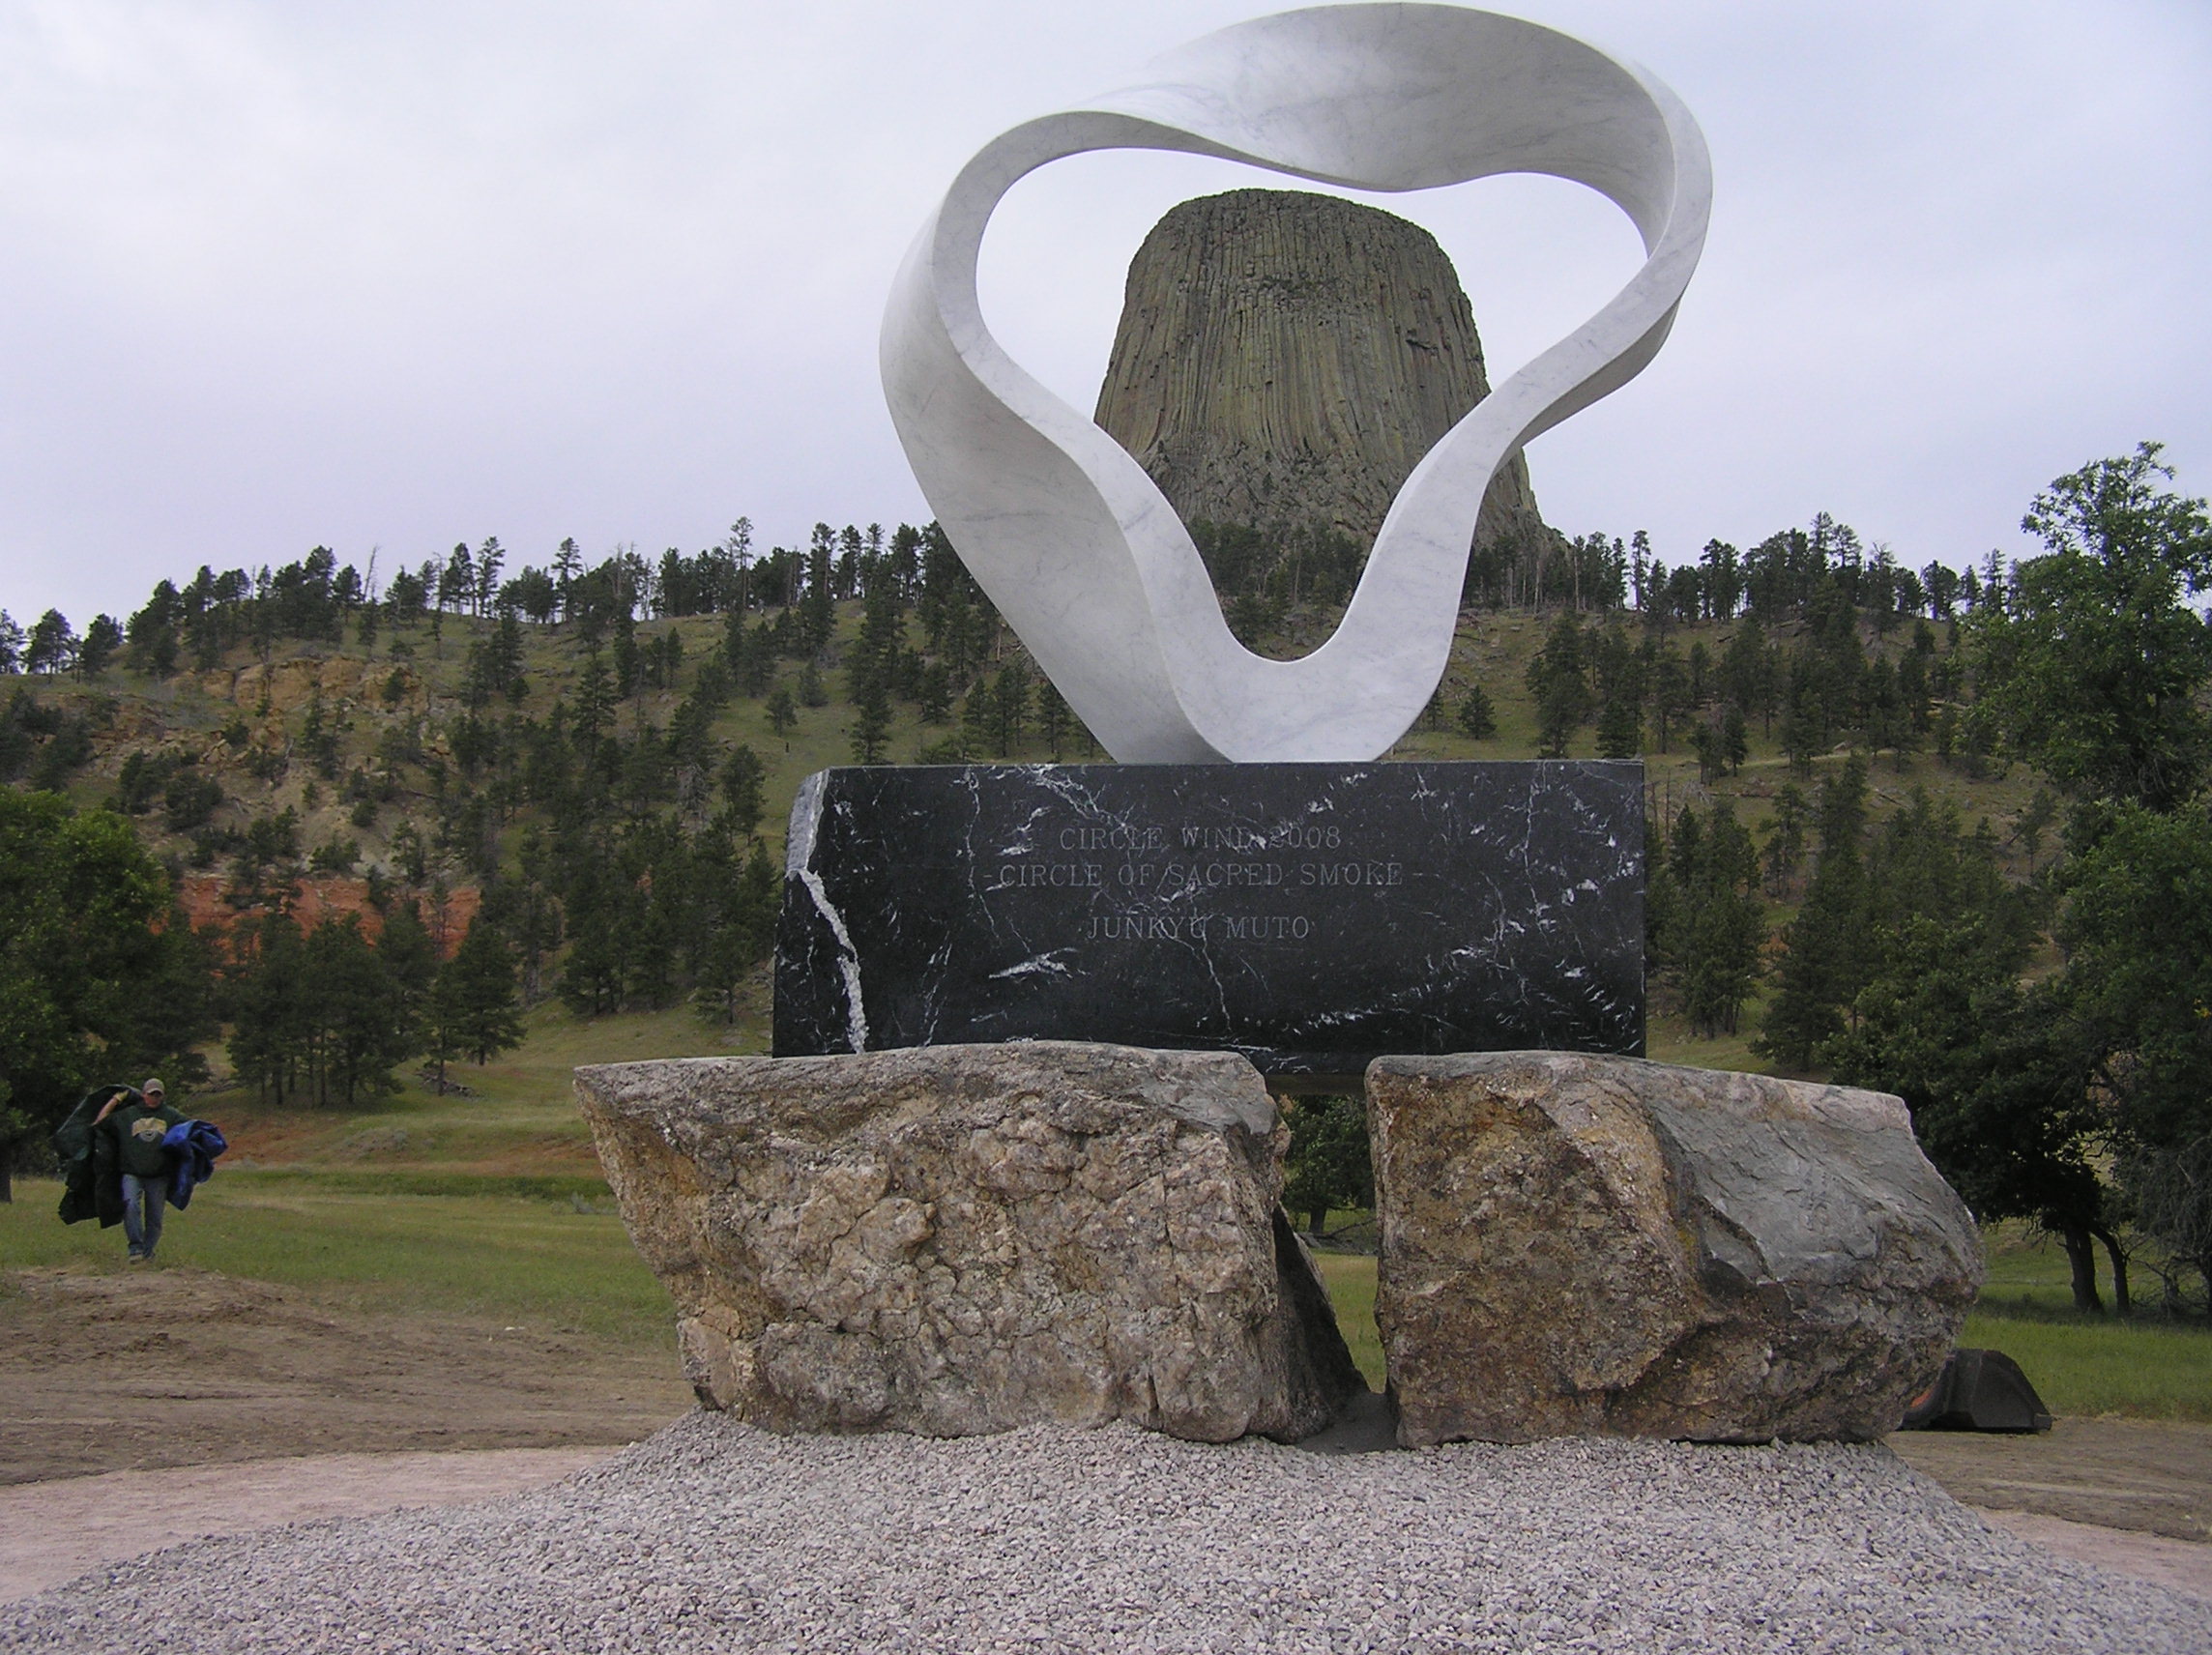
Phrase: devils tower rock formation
(1286, 358)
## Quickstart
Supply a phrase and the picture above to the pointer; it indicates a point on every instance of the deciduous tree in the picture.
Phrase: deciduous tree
(2090, 663)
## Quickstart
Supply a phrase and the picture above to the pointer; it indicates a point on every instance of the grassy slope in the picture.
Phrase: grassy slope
(192, 708)
(517, 1118)
(349, 1206)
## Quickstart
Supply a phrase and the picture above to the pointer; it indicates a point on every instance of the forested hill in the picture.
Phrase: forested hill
(593, 753)
(1902, 820)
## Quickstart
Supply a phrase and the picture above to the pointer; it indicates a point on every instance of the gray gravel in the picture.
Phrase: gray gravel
(715, 1536)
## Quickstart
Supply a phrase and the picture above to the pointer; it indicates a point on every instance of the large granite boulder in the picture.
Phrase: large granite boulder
(1579, 1245)
(955, 1239)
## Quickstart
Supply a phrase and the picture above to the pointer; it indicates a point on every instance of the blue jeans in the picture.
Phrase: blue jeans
(143, 1234)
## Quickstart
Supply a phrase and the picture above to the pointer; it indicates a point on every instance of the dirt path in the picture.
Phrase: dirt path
(2179, 1565)
(2147, 1475)
(109, 1373)
(51, 1532)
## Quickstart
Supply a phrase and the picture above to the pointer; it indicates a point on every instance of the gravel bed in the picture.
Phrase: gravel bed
(713, 1536)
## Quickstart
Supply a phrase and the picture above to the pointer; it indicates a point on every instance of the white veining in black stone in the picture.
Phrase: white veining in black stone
(1309, 915)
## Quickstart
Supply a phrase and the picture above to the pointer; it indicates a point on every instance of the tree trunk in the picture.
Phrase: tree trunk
(2083, 1256)
(8, 1174)
(2121, 1302)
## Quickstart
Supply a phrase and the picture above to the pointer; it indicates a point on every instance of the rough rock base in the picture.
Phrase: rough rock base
(1576, 1245)
(959, 1239)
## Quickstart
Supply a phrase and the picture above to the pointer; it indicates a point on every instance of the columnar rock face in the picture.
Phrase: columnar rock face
(957, 1239)
(1601, 1246)
(1287, 358)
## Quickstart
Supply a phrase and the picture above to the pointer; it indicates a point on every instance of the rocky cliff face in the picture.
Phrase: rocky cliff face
(1287, 358)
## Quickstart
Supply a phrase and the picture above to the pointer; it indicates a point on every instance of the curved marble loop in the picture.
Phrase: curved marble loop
(1062, 528)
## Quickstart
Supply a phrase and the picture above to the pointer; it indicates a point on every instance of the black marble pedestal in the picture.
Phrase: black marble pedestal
(1311, 917)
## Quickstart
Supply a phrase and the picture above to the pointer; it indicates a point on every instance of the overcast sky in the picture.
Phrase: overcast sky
(393, 275)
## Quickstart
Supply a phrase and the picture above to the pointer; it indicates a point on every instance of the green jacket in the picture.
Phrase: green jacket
(92, 1185)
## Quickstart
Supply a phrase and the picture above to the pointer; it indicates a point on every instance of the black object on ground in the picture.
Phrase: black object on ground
(1311, 917)
(1978, 1390)
(1368, 1425)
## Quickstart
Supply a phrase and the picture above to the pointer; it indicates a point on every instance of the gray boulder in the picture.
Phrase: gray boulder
(958, 1239)
(1577, 1245)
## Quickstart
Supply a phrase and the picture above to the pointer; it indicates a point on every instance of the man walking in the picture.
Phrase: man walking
(135, 1126)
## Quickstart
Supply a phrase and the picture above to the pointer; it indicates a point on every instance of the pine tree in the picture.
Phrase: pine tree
(1724, 925)
(1802, 733)
(871, 723)
(743, 782)
(475, 1007)
(819, 611)
(592, 975)
(269, 1012)
(1671, 702)
(457, 581)
(935, 693)
(1620, 673)
(1706, 741)
(741, 899)
(1746, 670)
(360, 1029)
(1735, 738)
(629, 658)
(1886, 725)
(1825, 960)
(1477, 716)
(1008, 708)
(1784, 839)
(1053, 715)
(1559, 680)
(752, 659)
(1620, 728)
(102, 639)
(524, 910)
(782, 714)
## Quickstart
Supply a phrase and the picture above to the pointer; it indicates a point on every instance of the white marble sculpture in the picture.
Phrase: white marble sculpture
(1075, 544)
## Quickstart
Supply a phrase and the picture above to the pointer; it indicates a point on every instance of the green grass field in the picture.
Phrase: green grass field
(2082, 1363)
(561, 1262)
(1350, 1279)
